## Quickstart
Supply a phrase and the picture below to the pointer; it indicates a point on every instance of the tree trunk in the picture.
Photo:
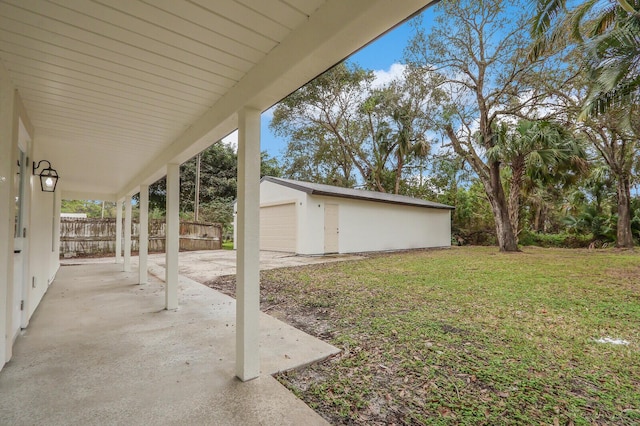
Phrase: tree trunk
(507, 241)
(537, 219)
(623, 235)
(517, 168)
(398, 174)
(490, 177)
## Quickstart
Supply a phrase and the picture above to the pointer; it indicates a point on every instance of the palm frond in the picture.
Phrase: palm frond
(604, 22)
(576, 19)
(624, 4)
(547, 11)
(614, 59)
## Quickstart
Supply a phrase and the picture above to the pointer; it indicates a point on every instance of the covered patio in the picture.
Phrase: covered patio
(107, 97)
(103, 350)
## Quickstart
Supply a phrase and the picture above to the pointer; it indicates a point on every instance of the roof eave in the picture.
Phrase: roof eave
(378, 200)
(363, 197)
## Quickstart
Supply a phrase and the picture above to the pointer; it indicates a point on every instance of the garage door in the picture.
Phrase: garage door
(278, 227)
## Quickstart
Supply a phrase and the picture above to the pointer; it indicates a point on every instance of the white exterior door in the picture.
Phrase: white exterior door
(331, 229)
(278, 228)
(19, 245)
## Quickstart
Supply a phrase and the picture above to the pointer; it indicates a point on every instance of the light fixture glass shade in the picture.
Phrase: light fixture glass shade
(48, 177)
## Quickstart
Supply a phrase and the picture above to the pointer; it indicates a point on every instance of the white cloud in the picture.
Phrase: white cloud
(268, 114)
(231, 140)
(383, 77)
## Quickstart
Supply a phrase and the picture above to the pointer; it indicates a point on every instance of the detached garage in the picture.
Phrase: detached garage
(312, 219)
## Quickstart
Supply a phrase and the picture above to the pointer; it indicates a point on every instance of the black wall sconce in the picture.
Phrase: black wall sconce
(48, 176)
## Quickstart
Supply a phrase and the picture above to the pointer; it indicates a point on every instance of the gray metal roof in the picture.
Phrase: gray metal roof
(357, 194)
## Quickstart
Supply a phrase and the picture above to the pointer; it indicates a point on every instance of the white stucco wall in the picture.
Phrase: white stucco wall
(41, 248)
(43, 226)
(8, 152)
(44, 243)
(371, 226)
(312, 236)
(271, 193)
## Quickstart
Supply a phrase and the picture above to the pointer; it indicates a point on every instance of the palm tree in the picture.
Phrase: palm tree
(534, 150)
(612, 46)
(612, 60)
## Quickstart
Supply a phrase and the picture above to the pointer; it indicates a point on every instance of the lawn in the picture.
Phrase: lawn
(469, 336)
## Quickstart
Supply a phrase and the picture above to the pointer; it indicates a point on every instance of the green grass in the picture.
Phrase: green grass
(472, 336)
(227, 245)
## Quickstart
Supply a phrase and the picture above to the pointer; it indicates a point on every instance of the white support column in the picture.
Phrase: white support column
(248, 244)
(143, 242)
(127, 234)
(118, 231)
(172, 231)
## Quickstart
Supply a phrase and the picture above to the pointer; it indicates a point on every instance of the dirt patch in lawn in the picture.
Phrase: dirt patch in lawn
(317, 318)
(275, 301)
(627, 277)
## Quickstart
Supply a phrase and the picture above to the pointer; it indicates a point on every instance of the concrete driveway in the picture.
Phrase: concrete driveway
(206, 265)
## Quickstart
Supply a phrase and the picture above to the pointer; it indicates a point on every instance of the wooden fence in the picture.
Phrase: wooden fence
(87, 237)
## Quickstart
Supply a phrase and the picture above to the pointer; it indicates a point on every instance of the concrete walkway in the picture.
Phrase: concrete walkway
(102, 350)
(205, 265)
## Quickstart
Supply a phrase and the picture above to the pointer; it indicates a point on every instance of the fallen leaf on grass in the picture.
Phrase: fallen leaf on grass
(503, 394)
(445, 412)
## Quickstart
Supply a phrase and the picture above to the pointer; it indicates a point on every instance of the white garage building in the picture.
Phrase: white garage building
(308, 218)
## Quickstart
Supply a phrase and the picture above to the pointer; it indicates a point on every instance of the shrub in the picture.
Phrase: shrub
(556, 240)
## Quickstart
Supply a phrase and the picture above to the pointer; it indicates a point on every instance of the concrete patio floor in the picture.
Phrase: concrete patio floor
(205, 265)
(101, 349)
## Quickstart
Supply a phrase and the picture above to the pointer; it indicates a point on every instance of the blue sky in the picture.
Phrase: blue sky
(378, 56)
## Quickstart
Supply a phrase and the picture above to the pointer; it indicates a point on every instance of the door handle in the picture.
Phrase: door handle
(17, 251)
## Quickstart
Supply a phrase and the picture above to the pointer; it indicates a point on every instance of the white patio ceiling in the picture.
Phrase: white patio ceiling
(116, 89)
